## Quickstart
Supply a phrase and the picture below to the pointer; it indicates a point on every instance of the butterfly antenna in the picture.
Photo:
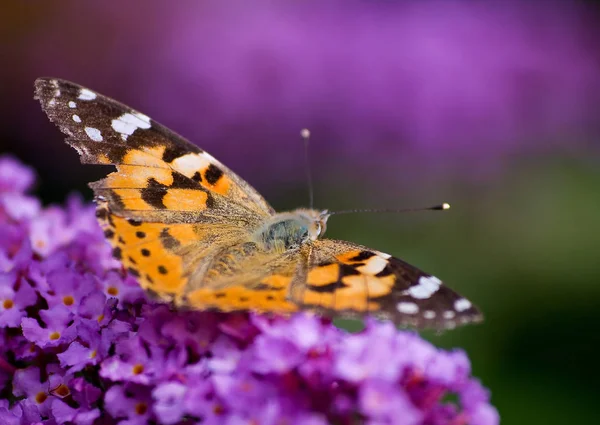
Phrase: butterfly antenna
(442, 206)
(305, 134)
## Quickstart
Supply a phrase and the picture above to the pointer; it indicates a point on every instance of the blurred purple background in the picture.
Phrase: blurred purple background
(406, 87)
(493, 106)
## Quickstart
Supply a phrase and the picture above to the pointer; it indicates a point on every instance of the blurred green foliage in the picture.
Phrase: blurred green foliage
(524, 246)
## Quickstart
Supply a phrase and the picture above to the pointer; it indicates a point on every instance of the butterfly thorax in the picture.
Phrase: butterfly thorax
(289, 230)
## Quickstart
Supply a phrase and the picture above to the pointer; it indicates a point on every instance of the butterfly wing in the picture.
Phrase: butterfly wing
(156, 168)
(350, 279)
(331, 278)
(153, 208)
(244, 277)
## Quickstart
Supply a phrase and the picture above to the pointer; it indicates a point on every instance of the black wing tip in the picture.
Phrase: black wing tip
(53, 82)
(42, 89)
(45, 88)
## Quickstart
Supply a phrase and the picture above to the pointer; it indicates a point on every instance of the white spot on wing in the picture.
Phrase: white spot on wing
(426, 287)
(407, 307)
(449, 314)
(94, 134)
(72, 104)
(76, 118)
(143, 117)
(55, 85)
(86, 94)
(189, 163)
(429, 314)
(128, 123)
(462, 304)
(384, 255)
(373, 265)
(52, 102)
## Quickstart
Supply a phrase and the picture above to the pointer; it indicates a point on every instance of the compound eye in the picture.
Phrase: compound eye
(319, 228)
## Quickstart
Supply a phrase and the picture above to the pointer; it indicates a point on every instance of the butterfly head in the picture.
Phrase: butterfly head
(316, 222)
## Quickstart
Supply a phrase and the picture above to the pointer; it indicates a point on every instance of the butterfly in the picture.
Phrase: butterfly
(197, 235)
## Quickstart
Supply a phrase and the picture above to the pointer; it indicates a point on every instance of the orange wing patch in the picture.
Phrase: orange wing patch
(323, 275)
(350, 284)
(270, 295)
(148, 250)
(145, 183)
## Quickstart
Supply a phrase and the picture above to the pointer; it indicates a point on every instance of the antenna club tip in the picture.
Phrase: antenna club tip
(305, 133)
(445, 206)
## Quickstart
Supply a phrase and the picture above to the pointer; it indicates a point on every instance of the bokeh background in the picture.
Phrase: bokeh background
(492, 106)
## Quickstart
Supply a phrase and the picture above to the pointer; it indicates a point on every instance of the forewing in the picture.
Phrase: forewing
(159, 209)
(349, 279)
(157, 170)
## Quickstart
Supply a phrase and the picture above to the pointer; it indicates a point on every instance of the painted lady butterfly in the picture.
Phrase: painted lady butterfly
(197, 235)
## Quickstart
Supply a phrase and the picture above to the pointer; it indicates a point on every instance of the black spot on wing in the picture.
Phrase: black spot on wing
(101, 213)
(347, 270)
(262, 287)
(362, 256)
(182, 182)
(154, 193)
(133, 272)
(328, 289)
(117, 253)
(115, 200)
(168, 241)
(173, 152)
(213, 174)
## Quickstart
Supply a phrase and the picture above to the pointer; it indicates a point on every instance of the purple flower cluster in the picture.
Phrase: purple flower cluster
(80, 344)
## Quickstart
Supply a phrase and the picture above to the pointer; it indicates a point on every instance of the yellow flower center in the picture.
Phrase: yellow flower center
(137, 369)
(62, 390)
(141, 408)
